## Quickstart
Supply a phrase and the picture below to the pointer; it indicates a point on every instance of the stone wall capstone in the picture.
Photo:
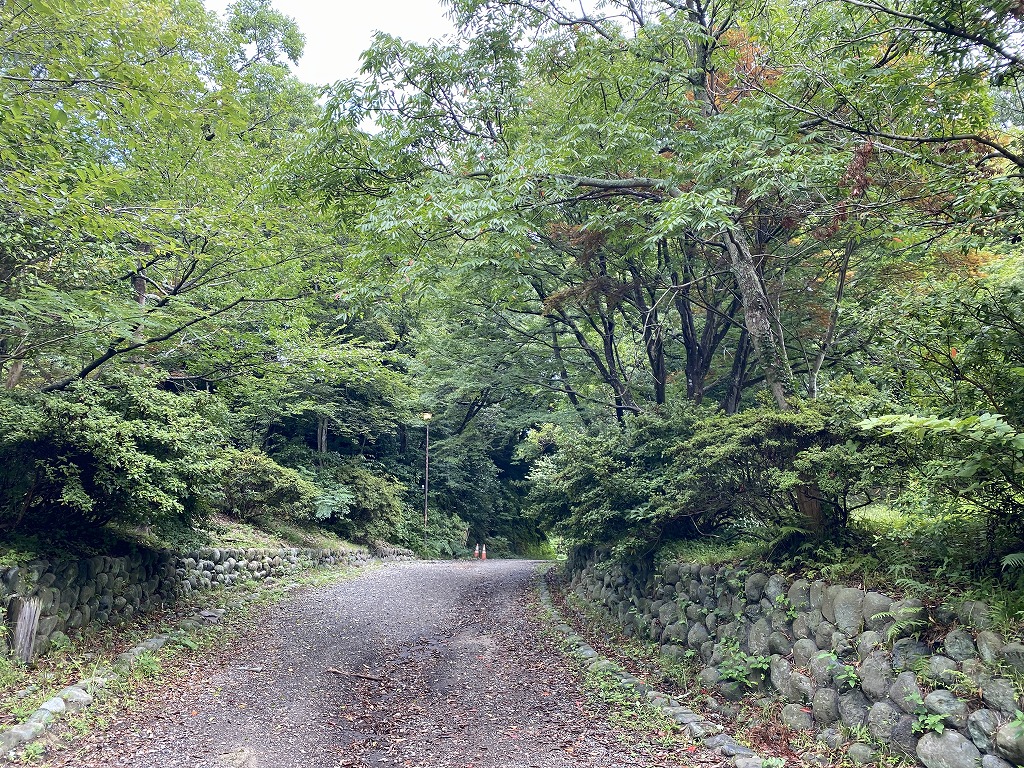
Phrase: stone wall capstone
(848, 663)
(78, 594)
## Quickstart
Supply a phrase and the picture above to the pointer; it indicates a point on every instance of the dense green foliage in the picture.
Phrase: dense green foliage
(660, 273)
(103, 451)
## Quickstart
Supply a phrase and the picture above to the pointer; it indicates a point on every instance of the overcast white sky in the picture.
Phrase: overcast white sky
(337, 31)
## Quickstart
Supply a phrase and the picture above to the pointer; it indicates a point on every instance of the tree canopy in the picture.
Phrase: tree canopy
(661, 271)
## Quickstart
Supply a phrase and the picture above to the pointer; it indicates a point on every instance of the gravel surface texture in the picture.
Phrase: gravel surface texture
(425, 664)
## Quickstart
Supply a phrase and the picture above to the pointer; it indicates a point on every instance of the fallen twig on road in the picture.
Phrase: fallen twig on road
(334, 671)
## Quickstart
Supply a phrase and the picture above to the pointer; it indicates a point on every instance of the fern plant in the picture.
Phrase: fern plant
(1013, 561)
(904, 622)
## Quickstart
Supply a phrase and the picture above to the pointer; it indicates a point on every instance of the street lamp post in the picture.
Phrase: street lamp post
(426, 479)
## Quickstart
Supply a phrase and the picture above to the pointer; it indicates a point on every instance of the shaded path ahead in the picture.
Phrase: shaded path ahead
(439, 665)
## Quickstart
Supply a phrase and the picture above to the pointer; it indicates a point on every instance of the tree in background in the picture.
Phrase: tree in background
(712, 195)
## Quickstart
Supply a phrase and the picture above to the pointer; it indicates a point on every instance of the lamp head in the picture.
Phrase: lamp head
(428, 416)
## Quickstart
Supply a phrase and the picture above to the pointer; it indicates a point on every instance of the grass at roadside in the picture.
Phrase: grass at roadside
(270, 534)
(217, 531)
(626, 708)
(629, 710)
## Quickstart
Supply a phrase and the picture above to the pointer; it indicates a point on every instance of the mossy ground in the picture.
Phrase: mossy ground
(217, 531)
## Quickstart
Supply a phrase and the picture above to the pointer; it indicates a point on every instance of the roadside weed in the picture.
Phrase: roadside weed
(628, 708)
(33, 752)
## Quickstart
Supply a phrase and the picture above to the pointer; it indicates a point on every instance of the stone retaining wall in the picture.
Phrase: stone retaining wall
(77, 594)
(836, 655)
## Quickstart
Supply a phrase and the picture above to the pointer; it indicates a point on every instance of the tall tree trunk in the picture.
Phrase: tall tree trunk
(17, 368)
(719, 318)
(139, 286)
(731, 403)
(763, 326)
(833, 320)
(658, 367)
(691, 343)
(699, 347)
(321, 434)
(687, 322)
(653, 333)
(14, 374)
(609, 372)
(563, 374)
(624, 402)
(766, 339)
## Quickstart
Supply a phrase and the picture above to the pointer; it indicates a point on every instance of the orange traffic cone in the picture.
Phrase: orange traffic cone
(483, 552)
(476, 552)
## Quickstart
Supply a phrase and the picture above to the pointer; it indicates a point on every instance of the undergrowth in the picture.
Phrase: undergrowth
(641, 657)
(270, 533)
(218, 531)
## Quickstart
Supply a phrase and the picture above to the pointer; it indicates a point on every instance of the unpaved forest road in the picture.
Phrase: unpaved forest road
(442, 665)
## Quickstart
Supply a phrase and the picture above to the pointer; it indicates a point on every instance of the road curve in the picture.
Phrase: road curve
(430, 664)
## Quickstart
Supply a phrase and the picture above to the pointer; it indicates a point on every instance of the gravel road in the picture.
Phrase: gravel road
(430, 664)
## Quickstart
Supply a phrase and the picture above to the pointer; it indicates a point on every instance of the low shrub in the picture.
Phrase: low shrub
(253, 485)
